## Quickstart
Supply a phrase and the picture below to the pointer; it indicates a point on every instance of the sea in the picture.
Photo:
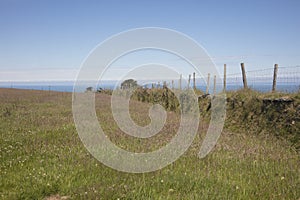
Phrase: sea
(69, 86)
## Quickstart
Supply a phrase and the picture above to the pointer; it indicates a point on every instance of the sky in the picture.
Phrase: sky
(49, 40)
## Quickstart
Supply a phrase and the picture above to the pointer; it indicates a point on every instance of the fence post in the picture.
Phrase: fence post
(172, 84)
(275, 77)
(180, 78)
(189, 83)
(215, 83)
(244, 76)
(224, 87)
(194, 81)
(207, 84)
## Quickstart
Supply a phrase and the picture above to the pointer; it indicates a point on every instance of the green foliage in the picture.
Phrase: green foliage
(129, 83)
(246, 110)
(89, 89)
(260, 113)
(165, 97)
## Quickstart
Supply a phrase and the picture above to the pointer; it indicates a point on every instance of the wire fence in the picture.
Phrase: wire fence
(288, 80)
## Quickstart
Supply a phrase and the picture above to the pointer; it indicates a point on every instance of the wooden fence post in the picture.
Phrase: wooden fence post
(224, 87)
(194, 81)
(180, 78)
(215, 83)
(189, 83)
(275, 77)
(244, 76)
(207, 84)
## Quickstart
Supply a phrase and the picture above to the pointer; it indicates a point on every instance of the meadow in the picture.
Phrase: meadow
(42, 156)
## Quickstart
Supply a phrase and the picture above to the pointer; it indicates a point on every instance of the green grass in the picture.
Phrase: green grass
(42, 156)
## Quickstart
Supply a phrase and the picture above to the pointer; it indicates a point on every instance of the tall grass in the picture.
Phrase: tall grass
(42, 157)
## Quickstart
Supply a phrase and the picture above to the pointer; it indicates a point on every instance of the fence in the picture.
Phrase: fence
(284, 79)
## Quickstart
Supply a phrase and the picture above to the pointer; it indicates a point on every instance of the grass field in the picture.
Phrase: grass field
(42, 157)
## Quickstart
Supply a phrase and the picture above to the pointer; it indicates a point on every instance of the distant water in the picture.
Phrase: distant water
(288, 88)
(52, 86)
(58, 88)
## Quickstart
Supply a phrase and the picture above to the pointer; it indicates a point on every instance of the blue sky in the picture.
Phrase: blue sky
(50, 39)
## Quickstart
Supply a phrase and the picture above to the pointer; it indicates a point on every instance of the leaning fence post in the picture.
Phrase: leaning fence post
(215, 83)
(224, 87)
(275, 77)
(207, 84)
(194, 81)
(244, 76)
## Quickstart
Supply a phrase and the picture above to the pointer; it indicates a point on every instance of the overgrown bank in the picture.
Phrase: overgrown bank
(246, 110)
(259, 113)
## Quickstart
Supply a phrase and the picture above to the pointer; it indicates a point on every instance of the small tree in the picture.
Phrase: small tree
(89, 89)
(129, 83)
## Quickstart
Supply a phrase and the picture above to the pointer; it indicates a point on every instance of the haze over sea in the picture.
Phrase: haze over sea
(111, 84)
